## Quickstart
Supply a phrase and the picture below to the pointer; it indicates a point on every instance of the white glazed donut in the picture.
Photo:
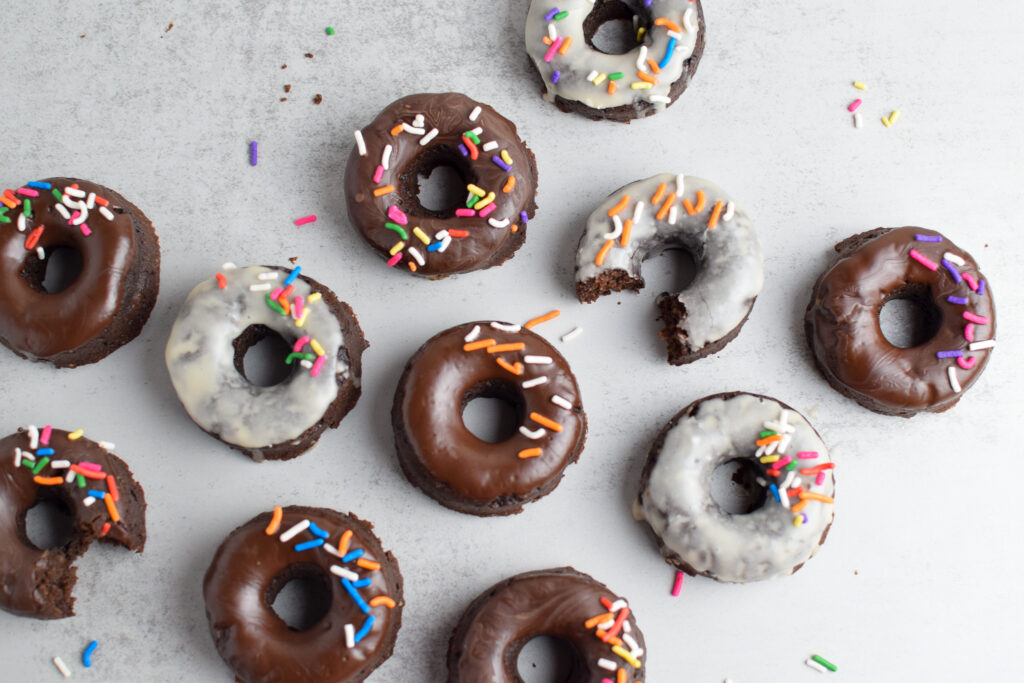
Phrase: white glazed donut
(695, 533)
(668, 211)
(226, 315)
(578, 77)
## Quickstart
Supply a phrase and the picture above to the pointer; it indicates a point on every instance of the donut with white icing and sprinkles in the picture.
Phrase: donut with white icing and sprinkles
(598, 625)
(361, 616)
(411, 138)
(441, 456)
(224, 317)
(786, 521)
(845, 336)
(663, 212)
(578, 77)
(97, 309)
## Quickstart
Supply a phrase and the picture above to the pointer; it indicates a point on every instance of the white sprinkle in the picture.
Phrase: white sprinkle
(689, 20)
(535, 434)
(416, 255)
(494, 223)
(62, 667)
(428, 137)
(106, 213)
(415, 130)
(338, 570)
(953, 381)
(473, 334)
(761, 482)
(21, 220)
(730, 211)
(953, 258)
(41, 253)
(17, 458)
(779, 427)
(228, 266)
(67, 201)
(73, 192)
(561, 402)
(638, 211)
(674, 34)
(788, 481)
(659, 98)
(626, 627)
(306, 364)
(641, 60)
(605, 625)
(350, 636)
(90, 203)
(858, 122)
(680, 184)
(60, 464)
(569, 336)
(673, 214)
(537, 360)
(63, 211)
(535, 382)
(591, 76)
(33, 437)
(418, 121)
(106, 445)
(478, 131)
(633, 645)
(269, 275)
(445, 244)
(980, 345)
(784, 444)
(83, 215)
(784, 498)
(265, 287)
(28, 456)
(607, 664)
(617, 605)
(490, 146)
(295, 531)
(440, 235)
(69, 477)
(88, 500)
(814, 665)
(360, 143)
(552, 31)
(617, 228)
(475, 113)
(506, 327)
(385, 158)
(331, 550)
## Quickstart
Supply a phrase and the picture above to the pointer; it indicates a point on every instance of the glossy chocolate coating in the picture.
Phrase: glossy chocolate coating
(107, 304)
(486, 643)
(846, 339)
(38, 583)
(452, 465)
(485, 246)
(249, 569)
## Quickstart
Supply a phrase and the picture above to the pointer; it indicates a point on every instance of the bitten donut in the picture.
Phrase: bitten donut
(224, 317)
(789, 521)
(579, 78)
(845, 336)
(664, 212)
(360, 623)
(494, 360)
(412, 137)
(110, 298)
(93, 485)
(597, 624)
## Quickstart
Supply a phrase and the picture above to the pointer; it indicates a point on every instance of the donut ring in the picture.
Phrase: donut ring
(449, 463)
(223, 317)
(563, 603)
(663, 212)
(111, 298)
(412, 137)
(96, 488)
(694, 532)
(357, 632)
(579, 78)
(846, 338)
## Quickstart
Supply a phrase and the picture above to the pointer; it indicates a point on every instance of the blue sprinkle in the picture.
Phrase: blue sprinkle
(949, 354)
(952, 271)
(362, 583)
(962, 300)
(464, 150)
(87, 655)
(551, 15)
(434, 247)
(97, 494)
(367, 625)
(317, 531)
(41, 186)
(775, 492)
(981, 287)
(501, 163)
(290, 279)
(356, 596)
(555, 76)
(524, 217)
(928, 238)
(354, 555)
(45, 451)
(668, 53)
(309, 545)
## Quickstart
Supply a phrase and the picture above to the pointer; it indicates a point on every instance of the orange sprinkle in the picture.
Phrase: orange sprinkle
(500, 348)
(8, 202)
(594, 621)
(768, 439)
(88, 474)
(601, 634)
(530, 453)
(106, 529)
(381, 191)
(808, 495)
(612, 87)
(546, 40)
(516, 369)
(668, 23)
(112, 487)
(565, 45)
(713, 221)
(615, 210)
(603, 253)
(659, 194)
(396, 130)
(646, 77)
(275, 521)
(669, 201)
(48, 481)
(346, 538)
(479, 344)
(412, 266)
(620, 677)
(509, 184)
(542, 319)
(284, 304)
(382, 600)
(627, 227)
(222, 281)
(690, 208)
(799, 506)
(458, 233)
(115, 516)
(654, 66)
(368, 564)
(101, 201)
(514, 228)
(33, 238)
(546, 421)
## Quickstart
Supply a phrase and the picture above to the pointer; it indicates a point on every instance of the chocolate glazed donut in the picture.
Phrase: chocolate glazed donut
(109, 301)
(845, 336)
(563, 603)
(497, 360)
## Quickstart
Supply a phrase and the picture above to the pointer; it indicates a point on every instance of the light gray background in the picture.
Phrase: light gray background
(919, 579)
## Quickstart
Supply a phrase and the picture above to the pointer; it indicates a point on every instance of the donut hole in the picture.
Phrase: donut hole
(735, 489)
(548, 659)
(492, 411)
(435, 184)
(260, 356)
(909, 316)
(612, 26)
(55, 273)
(49, 523)
(300, 596)
(672, 269)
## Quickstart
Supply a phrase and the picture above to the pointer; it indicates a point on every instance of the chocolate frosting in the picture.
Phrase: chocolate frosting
(251, 567)
(845, 336)
(486, 643)
(491, 239)
(38, 583)
(452, 465)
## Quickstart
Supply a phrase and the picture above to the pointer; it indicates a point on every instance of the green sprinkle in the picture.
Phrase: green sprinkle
(27, 208)
(766, 432)
(615, 76)
(329, 30)
(824, 662)
(471, 202)
(4, 219)
(40, 464)
(27, 463)
(3, 210)
(274, 305)
(81, 481)
(791, 466)
(397, 228)
(472, 136)
(561, 15)
(301, 356)
(58, 195)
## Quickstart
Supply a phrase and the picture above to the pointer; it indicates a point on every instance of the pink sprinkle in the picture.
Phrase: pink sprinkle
(91, 466)
(971, 282)
(820, 479)
(44, 436)
(807, 455)
(319, 363)
(487, 210)
(74, 217)
(678, 586)
(397, 216)
(465, 213)
(378, 174)
(974, 318)
(299, 305)
(967, 363)
(782, 463)
(28, 192)
(551, 50)
(276, 293)
(923, 260)
(395, 259)
(85, 229)
(855, 105)
(969, 332)
(305, 219)
(299, 343)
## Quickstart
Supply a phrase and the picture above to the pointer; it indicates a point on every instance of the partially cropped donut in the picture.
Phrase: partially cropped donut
(666, 211)
(109, 300)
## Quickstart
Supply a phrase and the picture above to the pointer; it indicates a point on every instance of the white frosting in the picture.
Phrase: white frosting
(200, 358)
(581, 60)
(730, 266)
(678, 505)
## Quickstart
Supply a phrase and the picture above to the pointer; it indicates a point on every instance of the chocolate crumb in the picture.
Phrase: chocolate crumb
(309, 55)
(287, 88)
(284, 99)
(293, 259)
(169, 27)
(318, 98)
(284, 66)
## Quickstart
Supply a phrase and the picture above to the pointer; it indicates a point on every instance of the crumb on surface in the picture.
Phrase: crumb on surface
(287, 88)
(318, 98)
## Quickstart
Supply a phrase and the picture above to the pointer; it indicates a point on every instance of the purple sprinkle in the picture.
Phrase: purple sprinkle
(952, 271)
(551, 15)
(252, 153)
(555, 76)
(928, 238)
(962, 300)
(500, 162)
(464, 150)
(522, 214)
(981, 287)
(949, 354)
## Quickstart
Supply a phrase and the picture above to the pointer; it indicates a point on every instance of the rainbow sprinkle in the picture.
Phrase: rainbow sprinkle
(613, 628)
(73, 205)
(772, 443)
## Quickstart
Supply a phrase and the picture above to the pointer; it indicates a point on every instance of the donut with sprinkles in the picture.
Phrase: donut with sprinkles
(656, 67)
(441, 456)
(411, 138)
(956, 335)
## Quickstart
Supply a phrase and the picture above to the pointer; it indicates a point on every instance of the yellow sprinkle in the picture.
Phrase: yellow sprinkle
(860, 85)
(77, 434)
(485, 201)
(893, 116)
(478, 191)
(624, 653)
(640, 34)
(798, 520)
(640, 85)
(600, 79)
(319, 350)
(770, 458)
(315, 296)
(302, 321)
(506, 157)
(397, 248)
(422, 235)
(886, 122)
